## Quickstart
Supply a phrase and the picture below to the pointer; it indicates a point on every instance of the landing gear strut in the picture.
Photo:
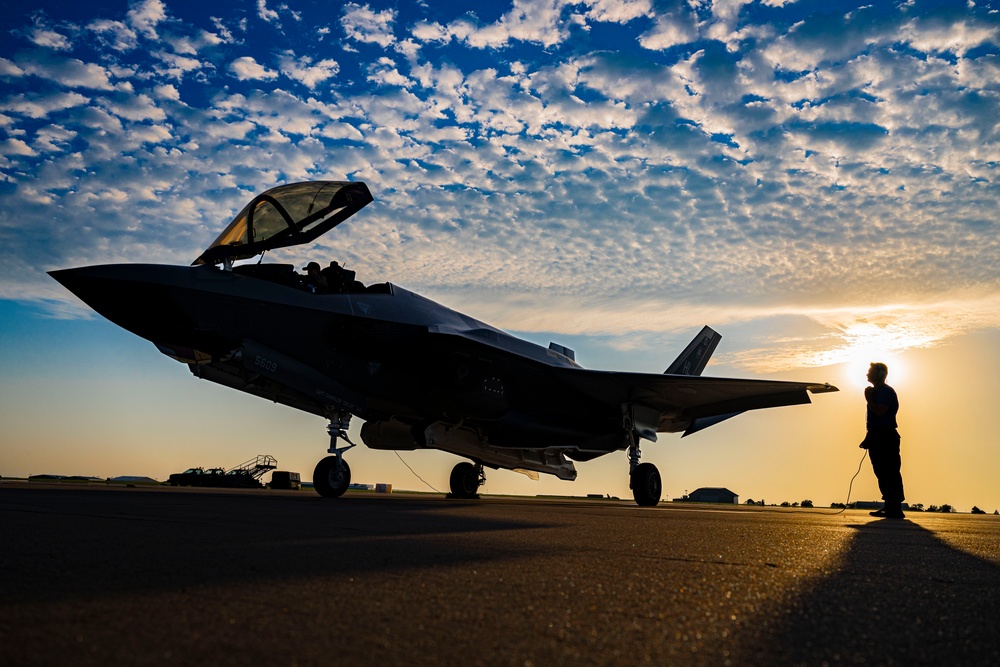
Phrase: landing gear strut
(332, 475)
(644, 478)
(466, 478)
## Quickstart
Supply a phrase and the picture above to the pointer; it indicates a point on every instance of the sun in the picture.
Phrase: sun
(867, 343)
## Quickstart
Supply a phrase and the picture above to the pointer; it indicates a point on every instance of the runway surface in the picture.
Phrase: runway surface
(135, 576)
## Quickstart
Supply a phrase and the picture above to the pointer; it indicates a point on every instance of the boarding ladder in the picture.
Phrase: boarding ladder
(255, 467)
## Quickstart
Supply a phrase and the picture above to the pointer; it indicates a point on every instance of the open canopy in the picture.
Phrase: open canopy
(285, 216)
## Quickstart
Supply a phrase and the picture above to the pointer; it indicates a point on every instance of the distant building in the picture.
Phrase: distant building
(64, 478)
(868, 504)
(133, 479)
(711, 494)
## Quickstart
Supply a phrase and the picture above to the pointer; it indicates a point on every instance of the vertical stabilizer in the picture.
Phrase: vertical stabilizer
(693, 359)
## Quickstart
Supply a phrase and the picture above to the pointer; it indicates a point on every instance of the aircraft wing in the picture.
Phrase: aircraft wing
(691, 403)
(679, 400)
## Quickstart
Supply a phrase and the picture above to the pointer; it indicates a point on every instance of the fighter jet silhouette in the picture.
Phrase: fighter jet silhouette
(420, 375)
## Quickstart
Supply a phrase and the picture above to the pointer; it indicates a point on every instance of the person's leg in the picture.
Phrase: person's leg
(881, 467)
(893, 485)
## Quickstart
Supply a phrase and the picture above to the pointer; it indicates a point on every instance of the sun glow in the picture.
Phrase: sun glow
(865, 343)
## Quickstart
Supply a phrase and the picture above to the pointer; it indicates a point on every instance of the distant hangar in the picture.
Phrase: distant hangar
(711, 494)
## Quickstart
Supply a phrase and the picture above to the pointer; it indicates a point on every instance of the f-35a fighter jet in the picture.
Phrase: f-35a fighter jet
(420, 375)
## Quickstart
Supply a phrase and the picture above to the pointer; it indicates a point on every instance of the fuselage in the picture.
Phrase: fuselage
(381, 353)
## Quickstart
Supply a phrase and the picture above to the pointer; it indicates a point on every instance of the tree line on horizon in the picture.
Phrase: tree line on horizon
(914, 507)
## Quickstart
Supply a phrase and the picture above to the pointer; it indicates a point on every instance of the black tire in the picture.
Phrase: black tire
(328, 480)
(647, 486)
(464, 480)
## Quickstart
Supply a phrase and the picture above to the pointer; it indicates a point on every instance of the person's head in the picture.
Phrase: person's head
(877, 372)
(312, 268)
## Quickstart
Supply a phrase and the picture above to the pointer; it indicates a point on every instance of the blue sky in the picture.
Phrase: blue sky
(818, 180)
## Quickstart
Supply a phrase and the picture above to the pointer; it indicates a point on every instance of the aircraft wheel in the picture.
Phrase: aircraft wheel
(329, 480)
(464, 480)
(646, 485)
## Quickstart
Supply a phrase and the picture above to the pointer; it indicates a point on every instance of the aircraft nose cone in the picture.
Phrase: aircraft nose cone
(141, 298)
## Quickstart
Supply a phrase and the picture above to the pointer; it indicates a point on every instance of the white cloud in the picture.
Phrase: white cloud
(266, 14)
(167, 92)
(279, 112)
(957, 37)
(94, 119)
(246, 68)
(176, 66)
(618, 11)
(228, 130)
(534, 21)
(302, 70)
(68, 72)
(538, 22)
(135, 108)
(364, 24)
(16, 147)
(39, 106)
(49, 39)
(191, 44)
(223, 31)
(52, 138)
(115, 34)
(527, 21)
(385, 73)
(8, 68)
(670, 31)
(150, 134)
(338, 131)
(430, 32)
(409, 48)
(145, 15)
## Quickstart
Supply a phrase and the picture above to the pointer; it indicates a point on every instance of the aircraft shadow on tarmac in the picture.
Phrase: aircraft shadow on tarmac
(901, 595)
(91, 543)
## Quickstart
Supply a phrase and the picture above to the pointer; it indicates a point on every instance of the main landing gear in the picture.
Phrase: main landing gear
(466, 478)
(646, 485)
(332, 475)
(644, 478)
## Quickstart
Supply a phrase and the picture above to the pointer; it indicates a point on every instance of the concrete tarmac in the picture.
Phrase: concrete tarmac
(93, 575)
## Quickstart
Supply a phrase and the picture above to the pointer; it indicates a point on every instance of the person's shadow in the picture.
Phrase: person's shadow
(900, 596)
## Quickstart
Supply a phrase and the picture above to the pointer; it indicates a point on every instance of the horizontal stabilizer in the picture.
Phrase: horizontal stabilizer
(702, 423)
(694, 358)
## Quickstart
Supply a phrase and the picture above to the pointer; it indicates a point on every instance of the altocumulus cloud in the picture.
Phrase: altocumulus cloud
(246, 68)
(687, 161)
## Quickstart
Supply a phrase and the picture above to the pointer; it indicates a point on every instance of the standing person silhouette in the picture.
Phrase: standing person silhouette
(882, 441)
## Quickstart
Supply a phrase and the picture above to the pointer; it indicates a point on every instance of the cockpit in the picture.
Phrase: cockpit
(286, 216)
(290, 215)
